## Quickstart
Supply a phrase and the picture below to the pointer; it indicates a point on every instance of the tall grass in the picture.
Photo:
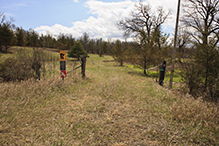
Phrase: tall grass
(108, 107)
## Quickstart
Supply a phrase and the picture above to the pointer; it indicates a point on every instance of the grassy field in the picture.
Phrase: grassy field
(111, 106)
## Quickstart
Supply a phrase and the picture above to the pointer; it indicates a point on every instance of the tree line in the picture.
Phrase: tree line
(10, 35)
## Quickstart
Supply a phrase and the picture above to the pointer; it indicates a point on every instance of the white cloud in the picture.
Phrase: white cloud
(107, 15)
(15, 6)
(76, 1)
(57, 29)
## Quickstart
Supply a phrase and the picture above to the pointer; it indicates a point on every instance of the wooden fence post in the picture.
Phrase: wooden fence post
(162, 73)
(36, 67)
(83, 65)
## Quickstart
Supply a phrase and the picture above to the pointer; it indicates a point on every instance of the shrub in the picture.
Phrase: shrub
(21, 66)
(190, 74)
(13, 69)
(77, 50)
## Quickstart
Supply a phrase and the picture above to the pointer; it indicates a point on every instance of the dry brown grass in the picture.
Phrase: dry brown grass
(109, 107)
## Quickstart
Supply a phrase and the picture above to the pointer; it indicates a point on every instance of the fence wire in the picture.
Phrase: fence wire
(125, 69)
(74, 69)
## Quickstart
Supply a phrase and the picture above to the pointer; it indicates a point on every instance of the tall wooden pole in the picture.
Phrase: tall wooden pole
(174, 47)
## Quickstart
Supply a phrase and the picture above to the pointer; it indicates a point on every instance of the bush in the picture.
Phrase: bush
(190, 74)
(16, 68)
(194, 75)
(21, 66)
(77, 50)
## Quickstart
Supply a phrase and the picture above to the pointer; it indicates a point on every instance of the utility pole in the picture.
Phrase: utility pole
(174, 47)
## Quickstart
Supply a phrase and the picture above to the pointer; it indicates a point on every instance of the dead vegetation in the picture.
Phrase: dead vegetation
(26, 63)
(109, 107)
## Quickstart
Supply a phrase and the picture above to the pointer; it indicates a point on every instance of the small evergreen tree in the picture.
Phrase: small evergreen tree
(32, 38)
(119, 53)
(77, 50)
(20, 36)
(6, 36)
(105, 47)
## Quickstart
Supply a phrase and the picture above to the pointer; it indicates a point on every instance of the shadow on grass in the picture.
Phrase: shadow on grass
(74, 60)
(138, 73)
(6, 52)
(108, 60)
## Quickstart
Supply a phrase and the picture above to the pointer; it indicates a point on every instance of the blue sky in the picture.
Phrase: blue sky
(96, 17)
(30, 13)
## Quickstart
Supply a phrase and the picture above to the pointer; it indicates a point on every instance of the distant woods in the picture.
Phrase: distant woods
(11, 35)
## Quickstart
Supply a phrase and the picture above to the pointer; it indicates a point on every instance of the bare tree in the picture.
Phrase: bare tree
(202, 16)
(145, 25)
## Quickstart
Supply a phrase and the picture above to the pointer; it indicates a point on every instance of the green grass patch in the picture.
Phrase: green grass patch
(156, 74)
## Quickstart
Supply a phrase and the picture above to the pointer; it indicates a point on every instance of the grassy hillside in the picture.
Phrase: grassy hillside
(110, 107)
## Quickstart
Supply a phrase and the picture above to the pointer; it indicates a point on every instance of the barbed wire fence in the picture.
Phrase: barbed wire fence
(75, 67)
(50, 65)
(151, 68)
